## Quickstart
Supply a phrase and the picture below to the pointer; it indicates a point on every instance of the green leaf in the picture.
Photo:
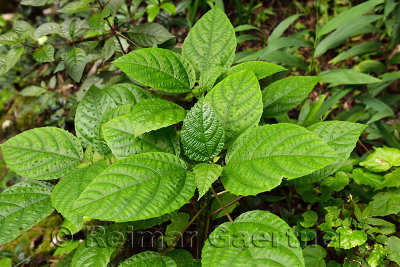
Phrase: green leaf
(98, 248)
(75, 7)
(121, 138)
(47, 29)
(8, 61)
(75, 63)
(346, 76)
(127, 93)
(237, 102)
(393, 249)
(211, 42)
(261, 69)
(248, 242)
(22, 206)
(169, 7)
(33, 91)
(205, 175)
(348, 17)
(337, 182)
(6, 262)
(48, 151)
(283, 95)
(96, 21)
(285, 58)
(108, 49)
(158, 68)
(282, 26)
(70, 188)
(383, 110)
(314, 256)
(149, 34)
(44, 54)
(209, 77)
(10, 38)
(182, 258)
(386, 203)
(368, 66)
(347, 238)
(37, 2)
(391, 180)
(152, 12)
(382, 159)
(89, 113)
(23, 29)
(342, 137)
(148, 259)
(366, 178)
(226, 199)
(377, 255)
(140, 187)
(357, 50)
(259, 158)
(202, 133)
(309, 219)
(155, 113)
(174, 229)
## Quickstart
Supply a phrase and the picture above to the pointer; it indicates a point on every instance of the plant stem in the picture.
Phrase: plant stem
(227, 205)
(222, 204)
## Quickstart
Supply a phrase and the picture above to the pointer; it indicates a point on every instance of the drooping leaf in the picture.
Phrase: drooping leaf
(121, 138)
(202, 133)
(211, 42)
(127, 93)
(382, 159)
(158, 68)
(48, 151)
(155, 113)
(22, 206)
(89, 113)
(44, 54)
(148, 259)
(259, 159)
(205, 175)
(342, 137)
(285, 94)
(252, 245)
(75, 63)
(261, 69)
(237, 102)
(140, 187)
(71, 186)
(149, 34)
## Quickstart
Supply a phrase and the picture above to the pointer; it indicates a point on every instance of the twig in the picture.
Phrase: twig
(227, 205)
(222, 192)
(222, 204)
(366, 149)
(127, 38)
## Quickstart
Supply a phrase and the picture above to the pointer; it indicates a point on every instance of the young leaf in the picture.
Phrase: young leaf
(75, 63)
(149, 258)
(205, 175)
(127, 93)
(261, 69)
(44, 54)
(71, 186)
(120, 137)
(211, 42)
(237, 102)
(89, 113)
(250, 242)
(342, 137)
(346, 76)
(158, 68)
(48, 151)
(140, 187)
(202, 133)
(283, 95)
(155, 113)
(22, 206)
(258, 159)
(149, 34)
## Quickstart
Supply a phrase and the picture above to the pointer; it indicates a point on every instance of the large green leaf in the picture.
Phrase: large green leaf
(256, 238)
(75, 63)
(9, 60)
(148, 259)
(120, 137)
(42, 153)
(205, 175)
(283, 95)
(89, 113)
(22, 206)
(259, 159)
(155, 113)
(149, 34)
(44, 54)
(202, 133)
(261, 69)
(385, 203)
(211, 42)
(126, 93)
(140, 187)
(342, 137)
(237, 101)
(346, 76)
(158, 68)
(70, 187)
